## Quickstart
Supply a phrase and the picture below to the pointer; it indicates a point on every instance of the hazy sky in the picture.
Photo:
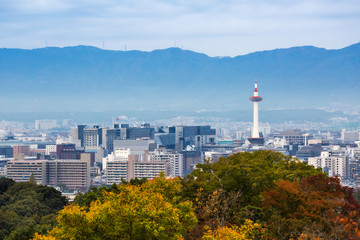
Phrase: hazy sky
(214, 27)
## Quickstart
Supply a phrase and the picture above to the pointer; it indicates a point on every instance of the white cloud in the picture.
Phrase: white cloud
(215, 27)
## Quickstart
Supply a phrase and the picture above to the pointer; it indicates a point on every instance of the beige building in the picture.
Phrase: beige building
(50, 149)
(21, 170)
(334, 164)
(175, 162)
(134, 168)
(75, 174)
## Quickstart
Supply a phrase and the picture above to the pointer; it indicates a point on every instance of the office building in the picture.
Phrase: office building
(75, 174)
(6, 151)
(134, 168)
(179, 137)
(333, 164)
(175, 162)
(21, 170)
(21, 149)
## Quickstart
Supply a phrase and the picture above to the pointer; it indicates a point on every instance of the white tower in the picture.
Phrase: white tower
(255, 137)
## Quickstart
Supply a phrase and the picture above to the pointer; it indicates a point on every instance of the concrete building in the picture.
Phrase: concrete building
(214, 156)
(69, 151)
(50, 149)
(75, 174)
(349, 137)
(191, 158)
(21, 149)
(108, 138)
(179, 137)
(146, 169)
(137, 147)
(294, 136)
(134, 168)
(21, 170)
(136, 133)
(332, 163)
(92, 137)
(6, 151)
(115, 171)
(118, 155)
(174, 160)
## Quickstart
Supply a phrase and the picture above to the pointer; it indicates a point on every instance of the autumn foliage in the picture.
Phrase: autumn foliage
(259, 195)
(150, 211)
(317, 206)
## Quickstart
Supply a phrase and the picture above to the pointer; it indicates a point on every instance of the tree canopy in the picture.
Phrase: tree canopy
(26, 208)
(247, 172)
(148, 211)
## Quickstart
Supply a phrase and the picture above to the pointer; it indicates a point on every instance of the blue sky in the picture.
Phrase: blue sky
(214, 27)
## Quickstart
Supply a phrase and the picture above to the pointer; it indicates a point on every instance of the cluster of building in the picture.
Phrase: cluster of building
(95, 155)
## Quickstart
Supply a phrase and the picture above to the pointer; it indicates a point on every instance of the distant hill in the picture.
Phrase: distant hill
(92, 79)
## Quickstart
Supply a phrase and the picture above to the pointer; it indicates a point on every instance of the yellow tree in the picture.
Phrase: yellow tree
(149, 211)
(249, 230)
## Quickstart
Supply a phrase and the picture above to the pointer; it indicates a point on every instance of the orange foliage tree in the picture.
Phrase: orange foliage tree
(315, 206)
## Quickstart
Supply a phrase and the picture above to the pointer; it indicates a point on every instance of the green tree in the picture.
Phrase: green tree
(32, 179)
(245, 172)
(5, 183)
(26, 208)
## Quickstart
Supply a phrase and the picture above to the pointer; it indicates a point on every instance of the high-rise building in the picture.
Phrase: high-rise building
(144, 132)
(179, 137)
(92, 137)
(6, 151)
(333, 163)
(191, 158)
(174, 160)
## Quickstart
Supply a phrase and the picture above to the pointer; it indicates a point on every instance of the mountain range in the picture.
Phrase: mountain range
(92, 79)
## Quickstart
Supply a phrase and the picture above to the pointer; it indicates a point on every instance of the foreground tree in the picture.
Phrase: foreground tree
(317, 206)
(249, 230)
(228, 192)
(245, 172)
(149, 211)
(26, 208)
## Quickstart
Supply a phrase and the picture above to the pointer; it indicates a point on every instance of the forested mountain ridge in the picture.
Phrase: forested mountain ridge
(177, 79)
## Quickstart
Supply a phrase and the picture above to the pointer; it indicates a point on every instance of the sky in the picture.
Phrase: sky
(213, 27)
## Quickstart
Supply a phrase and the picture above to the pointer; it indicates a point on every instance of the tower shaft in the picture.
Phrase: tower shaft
(255, 130)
